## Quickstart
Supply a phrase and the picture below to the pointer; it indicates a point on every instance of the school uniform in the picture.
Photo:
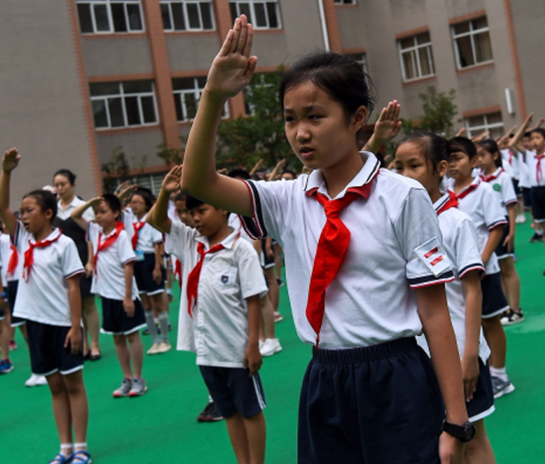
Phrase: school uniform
(536, 165)
(366, 372)
(503, 188)
(11, 272)
(214, 325)
(480, 203)
(511, 165)
(43, 299)
(144, 240)
(64, 222)
(462, 247)
(524, 181)
(109, 280)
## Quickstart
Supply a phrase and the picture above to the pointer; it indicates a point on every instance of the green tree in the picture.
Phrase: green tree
(115, 170)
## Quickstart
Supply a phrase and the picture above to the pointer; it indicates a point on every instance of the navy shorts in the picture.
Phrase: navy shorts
(537, 196)
(234, 390)
(526, 198)
(143, 273)
(494, 301)
(516, 187)
(47, 351)
(501, 251)
(374, 405)
(85, 285)
(115, 320)
(482, 404)
(13, 285)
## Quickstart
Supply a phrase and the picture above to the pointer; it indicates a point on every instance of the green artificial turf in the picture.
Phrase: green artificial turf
(161, 427)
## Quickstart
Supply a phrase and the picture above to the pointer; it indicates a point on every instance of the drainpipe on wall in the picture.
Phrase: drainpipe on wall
(324, 24)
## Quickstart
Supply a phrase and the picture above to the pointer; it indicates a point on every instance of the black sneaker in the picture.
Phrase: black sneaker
(511, 317)
(209, 414)
(536, 238)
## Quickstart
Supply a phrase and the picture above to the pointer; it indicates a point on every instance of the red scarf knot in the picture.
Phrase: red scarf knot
(107, 243)
(29, 254)
(491, 177)
(539, 173)
(137, 226)
(452, 202)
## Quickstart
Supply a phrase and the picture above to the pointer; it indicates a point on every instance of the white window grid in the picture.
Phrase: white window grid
(187, 5)
(413, 51)
(194, 93)
(471, 33)
(257, 12)
(122, 95)
(94, 5)
(494, 128)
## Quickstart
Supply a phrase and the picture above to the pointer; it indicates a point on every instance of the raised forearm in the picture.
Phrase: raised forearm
(158, 214)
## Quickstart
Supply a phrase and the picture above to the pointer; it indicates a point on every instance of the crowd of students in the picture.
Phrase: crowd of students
(400, 278)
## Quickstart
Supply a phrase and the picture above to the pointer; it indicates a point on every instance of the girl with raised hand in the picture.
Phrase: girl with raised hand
(365, 266)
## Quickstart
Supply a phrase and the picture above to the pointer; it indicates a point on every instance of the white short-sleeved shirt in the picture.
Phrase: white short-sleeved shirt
(462, 247)
(484, 208)
(148, 236)
(536, 176)
(64, 214)
(5, 254)
(218, 331)
(502, 185)
(109, 278)
(44, 298)
(172, 213)
(524, 180)
(511, 163)
(395, 246)
(235, 223)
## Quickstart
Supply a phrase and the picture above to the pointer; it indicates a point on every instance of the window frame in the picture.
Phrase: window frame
(471, 33)
(415, 57)
(476, 130)
(251, 4)
(122, 96)
(184, 4)
(196, 91)
(108, 4)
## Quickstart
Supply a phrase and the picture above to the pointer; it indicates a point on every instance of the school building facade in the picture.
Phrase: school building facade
(82, 77)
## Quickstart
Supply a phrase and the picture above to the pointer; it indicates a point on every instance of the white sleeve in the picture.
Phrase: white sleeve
(93, 229)
(124, 247)
(421, 241)
(508, 194)
(468, 255)
(71, 263)
(177, 241)
(252, 280)
(493, 211)
(88, 215)
(156, 235)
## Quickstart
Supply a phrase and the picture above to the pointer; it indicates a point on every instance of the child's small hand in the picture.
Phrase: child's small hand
(89, 269)
(233, 67)
(128, 306)
(509, 242)
(451, 450)
(173, 180)
(11, 160)
(461, 132)
(253, 359)
(157, 275)
(388, 124)
(74, 339)
(470, 375)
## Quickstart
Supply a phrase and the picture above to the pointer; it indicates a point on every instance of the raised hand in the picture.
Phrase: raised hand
(388, 124)
(173, 180)
(233, 67)
(11, 160)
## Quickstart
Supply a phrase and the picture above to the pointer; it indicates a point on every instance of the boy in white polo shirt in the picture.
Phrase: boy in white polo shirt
(220, 314)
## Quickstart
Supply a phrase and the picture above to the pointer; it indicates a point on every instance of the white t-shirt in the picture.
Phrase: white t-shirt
(218, 331)
(511, 163)
(64, 214)
(44, 298)
(462, 247)
(109, 278)
(536, 169)
(502, 185)
(148, 236)
(524, 181)
(484, 208)
(395, 246)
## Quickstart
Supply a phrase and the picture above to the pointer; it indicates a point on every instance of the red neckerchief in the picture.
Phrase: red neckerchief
(137, 226)
(539, 174)
(195, 274)
(491, 177)
(452, 202)
(107, 243)
(464, 193)
(29, 254)
(13, 260)
(331, 251)
(178, 270)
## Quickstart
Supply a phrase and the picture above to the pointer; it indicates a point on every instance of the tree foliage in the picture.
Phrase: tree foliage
(115, 170)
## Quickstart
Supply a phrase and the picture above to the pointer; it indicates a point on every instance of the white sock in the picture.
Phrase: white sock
(80, 446)
(499, 372)
(66, 449)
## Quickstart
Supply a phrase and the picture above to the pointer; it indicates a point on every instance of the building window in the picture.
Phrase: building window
(416, 56)
(491, 122)
(262, 15)
(108, 16)
(345, 2)
(123, 104)
(187, 15)
(472, 42)
(187, 94)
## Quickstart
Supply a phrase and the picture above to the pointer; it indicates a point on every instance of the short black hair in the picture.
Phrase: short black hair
(239, 173)
(464, 145)
(181, 196)
(45, 199)
(113, 202)
(192, 202)
(66, 173)
(539, 130)
(492, 147)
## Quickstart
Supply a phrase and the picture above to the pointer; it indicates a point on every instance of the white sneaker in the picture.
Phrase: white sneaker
(154, 349)
(163, 347)
(36, 381)
(520, 219)
(270, 347)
